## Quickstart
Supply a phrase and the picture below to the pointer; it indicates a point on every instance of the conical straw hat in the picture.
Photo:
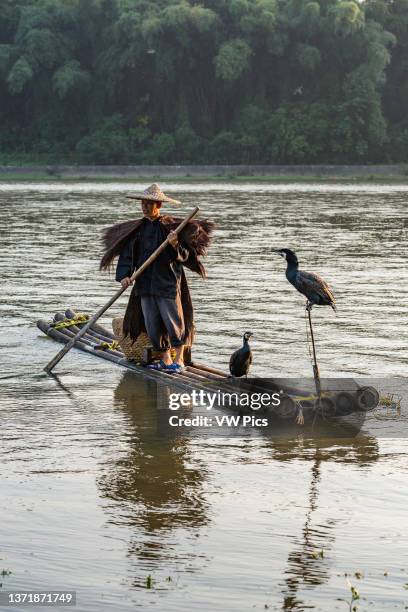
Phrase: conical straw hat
(155, 194)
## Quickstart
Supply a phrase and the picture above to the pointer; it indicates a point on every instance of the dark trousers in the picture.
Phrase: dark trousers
(167, 312)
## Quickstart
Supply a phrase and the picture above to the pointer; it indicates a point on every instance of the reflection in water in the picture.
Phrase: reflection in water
(308, 564)
(157, 489)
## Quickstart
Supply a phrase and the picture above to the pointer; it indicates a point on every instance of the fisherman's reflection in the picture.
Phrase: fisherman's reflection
(155, 480)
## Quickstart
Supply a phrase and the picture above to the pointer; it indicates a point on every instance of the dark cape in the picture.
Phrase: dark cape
(196, 237)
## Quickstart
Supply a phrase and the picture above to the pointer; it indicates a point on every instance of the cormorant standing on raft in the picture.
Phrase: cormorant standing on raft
(241, 360)
(312, 286)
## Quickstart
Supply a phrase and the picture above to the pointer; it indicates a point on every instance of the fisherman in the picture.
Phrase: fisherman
(160, 302)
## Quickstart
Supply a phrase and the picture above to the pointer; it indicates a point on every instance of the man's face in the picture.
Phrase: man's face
(150, 209)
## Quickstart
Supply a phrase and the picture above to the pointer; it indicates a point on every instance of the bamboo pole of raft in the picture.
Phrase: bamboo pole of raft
(207, 368)
(316, 373)
(117, 295)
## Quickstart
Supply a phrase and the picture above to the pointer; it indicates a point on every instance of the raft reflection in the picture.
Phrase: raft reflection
(159, 490)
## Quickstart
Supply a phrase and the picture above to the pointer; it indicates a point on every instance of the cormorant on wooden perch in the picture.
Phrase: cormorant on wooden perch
(241, 360)
(317, 293)
(312, 286)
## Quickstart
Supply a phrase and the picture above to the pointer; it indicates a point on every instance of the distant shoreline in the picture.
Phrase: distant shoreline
(216, 174)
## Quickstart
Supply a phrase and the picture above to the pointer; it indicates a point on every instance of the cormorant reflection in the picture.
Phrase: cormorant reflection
(309, 562)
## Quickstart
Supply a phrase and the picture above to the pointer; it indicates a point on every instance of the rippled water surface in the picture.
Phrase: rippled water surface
(95, 499)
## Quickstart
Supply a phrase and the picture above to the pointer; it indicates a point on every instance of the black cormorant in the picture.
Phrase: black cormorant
(241, 360)
(312, 286)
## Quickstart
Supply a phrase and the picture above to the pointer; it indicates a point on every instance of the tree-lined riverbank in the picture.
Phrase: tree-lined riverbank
(224, 173)
(177, 82)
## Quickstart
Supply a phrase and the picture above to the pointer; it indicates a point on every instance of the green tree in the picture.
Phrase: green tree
(188, 81)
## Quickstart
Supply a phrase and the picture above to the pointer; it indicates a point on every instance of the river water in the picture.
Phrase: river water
(94, 499)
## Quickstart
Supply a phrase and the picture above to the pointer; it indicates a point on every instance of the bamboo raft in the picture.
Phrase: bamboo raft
(334, 404)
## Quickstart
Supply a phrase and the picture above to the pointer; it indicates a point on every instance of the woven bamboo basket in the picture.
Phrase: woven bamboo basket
(134, 350)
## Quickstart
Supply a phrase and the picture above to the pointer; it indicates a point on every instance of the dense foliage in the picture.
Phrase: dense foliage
(204, 81)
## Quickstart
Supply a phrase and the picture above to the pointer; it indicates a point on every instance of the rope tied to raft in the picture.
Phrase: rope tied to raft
(300, 419)
(105, 346)
(79, 319)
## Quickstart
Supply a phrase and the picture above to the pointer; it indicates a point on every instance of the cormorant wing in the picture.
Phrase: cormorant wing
(240, 361)
(233, 360)
(311, 281)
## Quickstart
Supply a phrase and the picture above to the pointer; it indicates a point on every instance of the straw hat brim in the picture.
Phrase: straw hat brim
(154, 198)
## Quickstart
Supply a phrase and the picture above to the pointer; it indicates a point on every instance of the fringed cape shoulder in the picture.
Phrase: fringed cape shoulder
(196, 236)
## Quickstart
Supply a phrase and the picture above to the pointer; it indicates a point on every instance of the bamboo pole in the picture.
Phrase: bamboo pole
(48, 368)
(202, 366)
(316, 373)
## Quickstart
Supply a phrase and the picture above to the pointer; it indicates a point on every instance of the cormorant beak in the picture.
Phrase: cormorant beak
(279, 252)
